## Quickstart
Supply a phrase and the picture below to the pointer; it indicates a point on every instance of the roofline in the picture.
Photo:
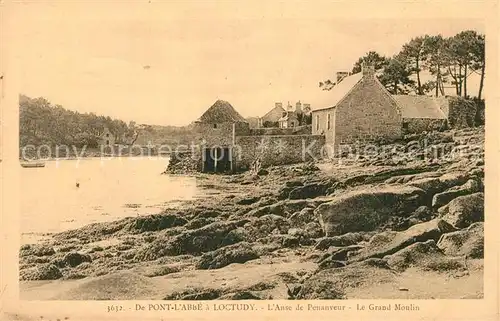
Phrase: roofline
(272, 110)
(321, 109)
(347, 93)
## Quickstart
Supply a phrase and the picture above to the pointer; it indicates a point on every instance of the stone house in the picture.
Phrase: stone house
(216, 130)
(357, 108)
(272, 116)
(107, 138)
(422, 113)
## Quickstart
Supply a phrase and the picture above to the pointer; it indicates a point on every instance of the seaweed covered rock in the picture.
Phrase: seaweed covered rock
(74, 259)
(236, 253)
(42, 272)
(36, 250)
(205, 239)
(333, 283)
(156, 222)
(365, 210)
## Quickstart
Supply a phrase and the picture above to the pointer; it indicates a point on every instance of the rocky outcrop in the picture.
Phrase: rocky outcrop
(424, 255)
(237, 253)
(440, 199)
(365, 210)
(43, 272)
(464, 210)
(468, 242)
(390, 242)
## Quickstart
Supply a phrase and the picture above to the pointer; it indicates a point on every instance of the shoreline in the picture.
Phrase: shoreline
(304, 227)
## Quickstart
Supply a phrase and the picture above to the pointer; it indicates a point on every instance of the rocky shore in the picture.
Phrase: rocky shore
(399, 225)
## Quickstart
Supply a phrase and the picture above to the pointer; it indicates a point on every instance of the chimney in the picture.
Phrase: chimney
(289, 107)
(298, 107)
(368, 69)
(341, 75)
(278, 105)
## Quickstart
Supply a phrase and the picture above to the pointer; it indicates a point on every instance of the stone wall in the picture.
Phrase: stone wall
(418, 125)
(302, 130)
(367, 112)
(461, 112)
(220, 134)
(277, 150)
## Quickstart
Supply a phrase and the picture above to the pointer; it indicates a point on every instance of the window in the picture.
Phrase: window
(215, 125)
(328, 121)
(107, 142)
(317, 122)
(107, 135)
(405, 125)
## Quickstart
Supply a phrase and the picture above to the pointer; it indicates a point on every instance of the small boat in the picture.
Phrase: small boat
(32, 164)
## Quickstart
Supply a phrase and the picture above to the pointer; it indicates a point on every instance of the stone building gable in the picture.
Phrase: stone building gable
(274, 114)
(221, 112)
(367, 112)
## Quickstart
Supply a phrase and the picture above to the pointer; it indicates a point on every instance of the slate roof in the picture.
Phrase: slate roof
(330, 98)
(413, 106)
(221, 112)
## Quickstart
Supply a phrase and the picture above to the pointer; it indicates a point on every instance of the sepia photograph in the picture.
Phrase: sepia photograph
(171, 155)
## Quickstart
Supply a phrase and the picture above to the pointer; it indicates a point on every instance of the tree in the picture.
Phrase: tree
(396, 76)
(413, 53)
(435, 60)
(372, 58)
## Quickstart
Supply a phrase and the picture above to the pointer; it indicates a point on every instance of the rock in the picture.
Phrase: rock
(199, 222)
(243, 295)
(305, 216)
(333, 283)
(464, 210)
(390, 242)
(440, 199)
(36, 250)
(311, 190)
(205, 239)
(236, 253)
(264, 225)
(341, 240)
(469, 242)
(296, 232)
(424, 255)
(263, 172)
(43, 272)
(313, 230)
(247, 200)
(365, 210)
(287, 188)
(156, 222)
(74, 259)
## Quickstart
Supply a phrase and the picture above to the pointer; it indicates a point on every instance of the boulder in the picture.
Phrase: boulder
(423, 255)
(205, 239)
(36, 250)
(236, 253)
(43, 272)
(74, 259)
(313, 230)
(247, 200)
(199, 222)
(304, 216)
(311, 190)
(469, 242)
(333, 283)
(265, 225)
(390, 242)
(440, 199)
(365, 210)
(242, 295)
(464, 210)
(341, 240)
(156, 222)
(285, 190)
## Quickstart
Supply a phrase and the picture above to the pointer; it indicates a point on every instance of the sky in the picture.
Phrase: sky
(166, 63)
